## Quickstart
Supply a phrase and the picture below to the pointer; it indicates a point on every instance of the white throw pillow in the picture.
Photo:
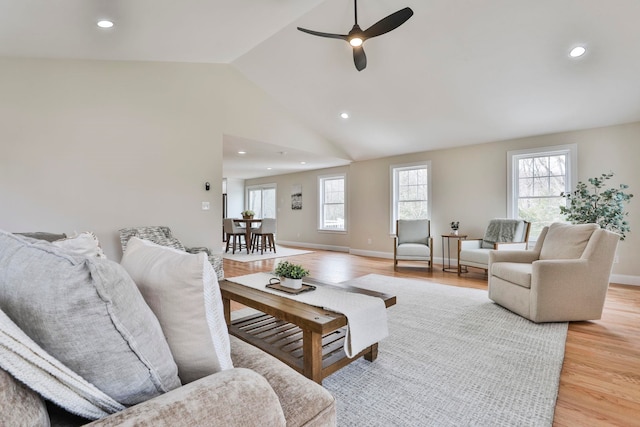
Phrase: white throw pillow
(83, 244)
(182, 290)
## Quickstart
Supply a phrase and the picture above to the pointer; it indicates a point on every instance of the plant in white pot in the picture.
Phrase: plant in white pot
(290, 274)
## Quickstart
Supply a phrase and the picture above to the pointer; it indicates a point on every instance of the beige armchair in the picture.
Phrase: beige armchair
(501, 234)
(413, 242)
(564, 278)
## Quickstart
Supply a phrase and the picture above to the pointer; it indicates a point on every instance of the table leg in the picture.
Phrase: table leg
(247, 237)
(372, 354)
(312, 354)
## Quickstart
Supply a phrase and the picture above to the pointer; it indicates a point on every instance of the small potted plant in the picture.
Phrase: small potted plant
(454, 227)
(247, 214)
(290, 274)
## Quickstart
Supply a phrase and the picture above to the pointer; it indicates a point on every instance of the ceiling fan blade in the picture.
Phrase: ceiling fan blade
(389, 23)
(329, 35)
(359, 58)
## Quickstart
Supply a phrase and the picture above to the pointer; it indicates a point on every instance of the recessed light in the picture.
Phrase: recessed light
(105, 24)
(269, 169)
(242, 152)
(344, 115)
(577, 51)
(303, 163)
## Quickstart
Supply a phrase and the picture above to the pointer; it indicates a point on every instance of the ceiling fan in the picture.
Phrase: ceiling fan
(357, 36)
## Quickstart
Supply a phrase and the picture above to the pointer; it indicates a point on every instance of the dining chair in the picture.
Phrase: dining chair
(236, 233)
(263, 236)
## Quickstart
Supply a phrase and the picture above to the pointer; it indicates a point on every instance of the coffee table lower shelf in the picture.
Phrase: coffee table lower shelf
(285, 341)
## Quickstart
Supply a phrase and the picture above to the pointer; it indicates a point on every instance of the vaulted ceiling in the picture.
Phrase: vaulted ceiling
(458, 72)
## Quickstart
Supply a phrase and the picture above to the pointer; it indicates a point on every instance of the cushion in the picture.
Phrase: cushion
(503, 230)
(83, 244)
(87, 313)
(183, 291)
(30, 364)
(413, 250)
(566, 241)
(478, 256)
(518, 273)
(413, 231)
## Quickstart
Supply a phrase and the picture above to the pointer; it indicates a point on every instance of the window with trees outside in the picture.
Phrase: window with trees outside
(537, 177)
(411, 191)
(332, 215)
(262, 200)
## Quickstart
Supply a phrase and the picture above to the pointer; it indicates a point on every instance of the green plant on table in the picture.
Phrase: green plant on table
(247, 212)
(599, 205)
(290, 270)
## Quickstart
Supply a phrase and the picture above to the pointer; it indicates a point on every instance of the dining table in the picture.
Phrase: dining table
(247, 222)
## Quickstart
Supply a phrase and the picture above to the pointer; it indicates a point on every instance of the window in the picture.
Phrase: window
(332, 203)
(262, 200)
(411, 192)
(537, 177)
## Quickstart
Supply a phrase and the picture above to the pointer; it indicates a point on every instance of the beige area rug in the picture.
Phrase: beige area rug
(453, 358)
(281, 252)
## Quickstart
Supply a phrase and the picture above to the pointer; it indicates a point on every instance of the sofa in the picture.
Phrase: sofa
(256, 390)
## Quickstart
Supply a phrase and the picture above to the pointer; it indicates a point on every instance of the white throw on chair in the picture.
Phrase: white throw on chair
(565, 278)
(413, 241)
(262, 236)
(236, 233)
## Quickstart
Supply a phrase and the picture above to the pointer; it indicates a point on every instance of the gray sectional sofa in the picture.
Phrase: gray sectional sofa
(37, 389)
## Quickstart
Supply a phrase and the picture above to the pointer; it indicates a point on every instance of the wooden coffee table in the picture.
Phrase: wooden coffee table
(307, 338)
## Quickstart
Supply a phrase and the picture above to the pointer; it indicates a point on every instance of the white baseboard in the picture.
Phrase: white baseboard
(624, 279)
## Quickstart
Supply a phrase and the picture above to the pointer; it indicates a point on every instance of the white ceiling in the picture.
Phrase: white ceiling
(458, 72)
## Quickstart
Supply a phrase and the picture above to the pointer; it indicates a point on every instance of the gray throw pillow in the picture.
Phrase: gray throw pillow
(87, 313)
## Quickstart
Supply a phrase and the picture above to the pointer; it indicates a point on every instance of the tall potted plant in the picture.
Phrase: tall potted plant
(594, 203)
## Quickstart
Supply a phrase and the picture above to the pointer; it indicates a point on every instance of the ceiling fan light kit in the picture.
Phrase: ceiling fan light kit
(357, 36)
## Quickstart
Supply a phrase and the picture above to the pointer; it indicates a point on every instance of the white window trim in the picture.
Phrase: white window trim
(394, 187)
(321, 179)
(515, 155)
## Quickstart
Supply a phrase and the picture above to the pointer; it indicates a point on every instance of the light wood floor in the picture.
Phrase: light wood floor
(600, 379)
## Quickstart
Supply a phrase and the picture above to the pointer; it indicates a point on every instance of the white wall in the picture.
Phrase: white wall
(102, 145)
(469, 185)
(95, 145)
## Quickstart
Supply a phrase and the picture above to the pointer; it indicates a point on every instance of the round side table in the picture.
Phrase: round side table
(447, 267)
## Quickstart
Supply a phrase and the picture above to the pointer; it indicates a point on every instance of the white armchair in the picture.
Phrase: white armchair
(501, 234)
(564, 278)
(413, 242)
